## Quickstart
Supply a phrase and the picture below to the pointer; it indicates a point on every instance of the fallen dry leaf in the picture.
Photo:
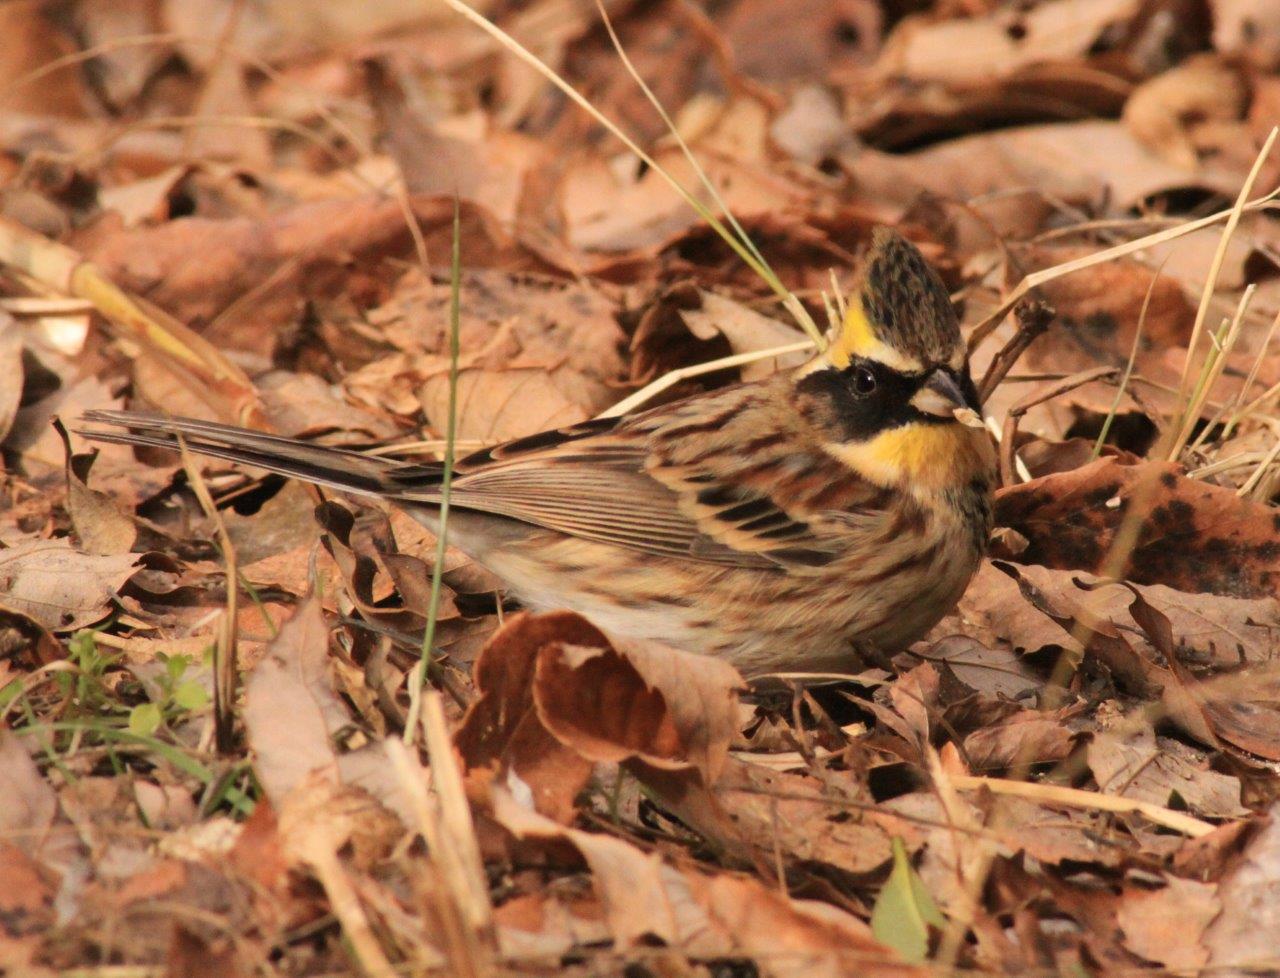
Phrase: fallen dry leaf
(60, 587)
(244, 168)
(712, 916)
(291, 711)
(1164, 772)
(665, 708)
(1167, 925)
(1239, 937)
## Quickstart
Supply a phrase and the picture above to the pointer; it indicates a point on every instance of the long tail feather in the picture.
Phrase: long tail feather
(337, 468)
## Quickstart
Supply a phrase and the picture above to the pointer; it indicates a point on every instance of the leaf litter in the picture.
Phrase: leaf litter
(244, 212)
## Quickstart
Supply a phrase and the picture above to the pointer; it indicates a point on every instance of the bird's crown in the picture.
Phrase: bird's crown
(899, 314)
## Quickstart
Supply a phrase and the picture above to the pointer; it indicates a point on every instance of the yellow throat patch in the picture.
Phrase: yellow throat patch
(922, 456)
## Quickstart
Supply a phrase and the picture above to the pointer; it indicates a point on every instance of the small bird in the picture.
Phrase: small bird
(789, 524)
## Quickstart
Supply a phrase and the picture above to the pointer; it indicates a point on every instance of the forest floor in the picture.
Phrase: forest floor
(244, 211)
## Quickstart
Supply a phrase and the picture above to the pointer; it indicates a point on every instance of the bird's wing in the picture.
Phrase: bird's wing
(680, 482)
(718, 479)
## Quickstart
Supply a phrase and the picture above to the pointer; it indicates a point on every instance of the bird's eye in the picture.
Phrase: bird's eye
(864, 381)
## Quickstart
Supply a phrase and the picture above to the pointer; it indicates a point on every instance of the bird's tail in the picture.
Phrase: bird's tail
(337, 468)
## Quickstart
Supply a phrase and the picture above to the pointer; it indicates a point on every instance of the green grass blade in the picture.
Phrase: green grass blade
(420, 673)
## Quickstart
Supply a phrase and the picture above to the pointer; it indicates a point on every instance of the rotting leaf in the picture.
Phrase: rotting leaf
(1193, 536)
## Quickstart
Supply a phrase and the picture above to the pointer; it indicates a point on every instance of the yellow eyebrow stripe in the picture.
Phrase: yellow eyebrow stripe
(858, 339)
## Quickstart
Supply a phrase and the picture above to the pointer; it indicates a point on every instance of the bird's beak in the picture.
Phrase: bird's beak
(943, 397)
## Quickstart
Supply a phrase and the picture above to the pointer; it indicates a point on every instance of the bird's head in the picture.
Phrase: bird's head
(892, 393)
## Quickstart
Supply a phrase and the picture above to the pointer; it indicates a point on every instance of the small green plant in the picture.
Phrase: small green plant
(87, 687)
(178, 696)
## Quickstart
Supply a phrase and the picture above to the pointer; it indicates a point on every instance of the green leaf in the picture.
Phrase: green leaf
(190, 695)
(904, 911)
(144, 719)
(175, 666)
(82, 645)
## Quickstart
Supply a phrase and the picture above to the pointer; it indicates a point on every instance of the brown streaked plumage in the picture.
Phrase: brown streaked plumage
(782, 524)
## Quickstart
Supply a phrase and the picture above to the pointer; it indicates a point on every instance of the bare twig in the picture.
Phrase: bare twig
(1034, 317)
(1063, 386)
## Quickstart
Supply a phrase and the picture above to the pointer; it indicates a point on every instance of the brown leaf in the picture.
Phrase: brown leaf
(537, 354)
(976, 48)
(363, 547)
(1193, 536)
(11, 372)
(1248, 27)
(502, 730)
(1142, 766)
(669, 709)
(1029, 737)
(1168, 925)
(199, 268)
(60, 587)
(191, 956)
(747, 332)
(1166, 111)
(30, 818)
(993, 672)
(709, 916)
(774, 814)
(32, 42)
(290, 708)
(26, 905)
(1073, 161)
(1098, 311)
(98, 520)
(1243, 934)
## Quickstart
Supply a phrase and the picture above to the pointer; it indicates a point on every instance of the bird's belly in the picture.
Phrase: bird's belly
(759, 620)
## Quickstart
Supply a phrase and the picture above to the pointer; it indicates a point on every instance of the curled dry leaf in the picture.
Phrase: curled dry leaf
(373, 569)
(557, 696)
(103, 528)
(747, 332)
(665, 708)
(1193, 536)
(1027, 737)
(502, 730)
